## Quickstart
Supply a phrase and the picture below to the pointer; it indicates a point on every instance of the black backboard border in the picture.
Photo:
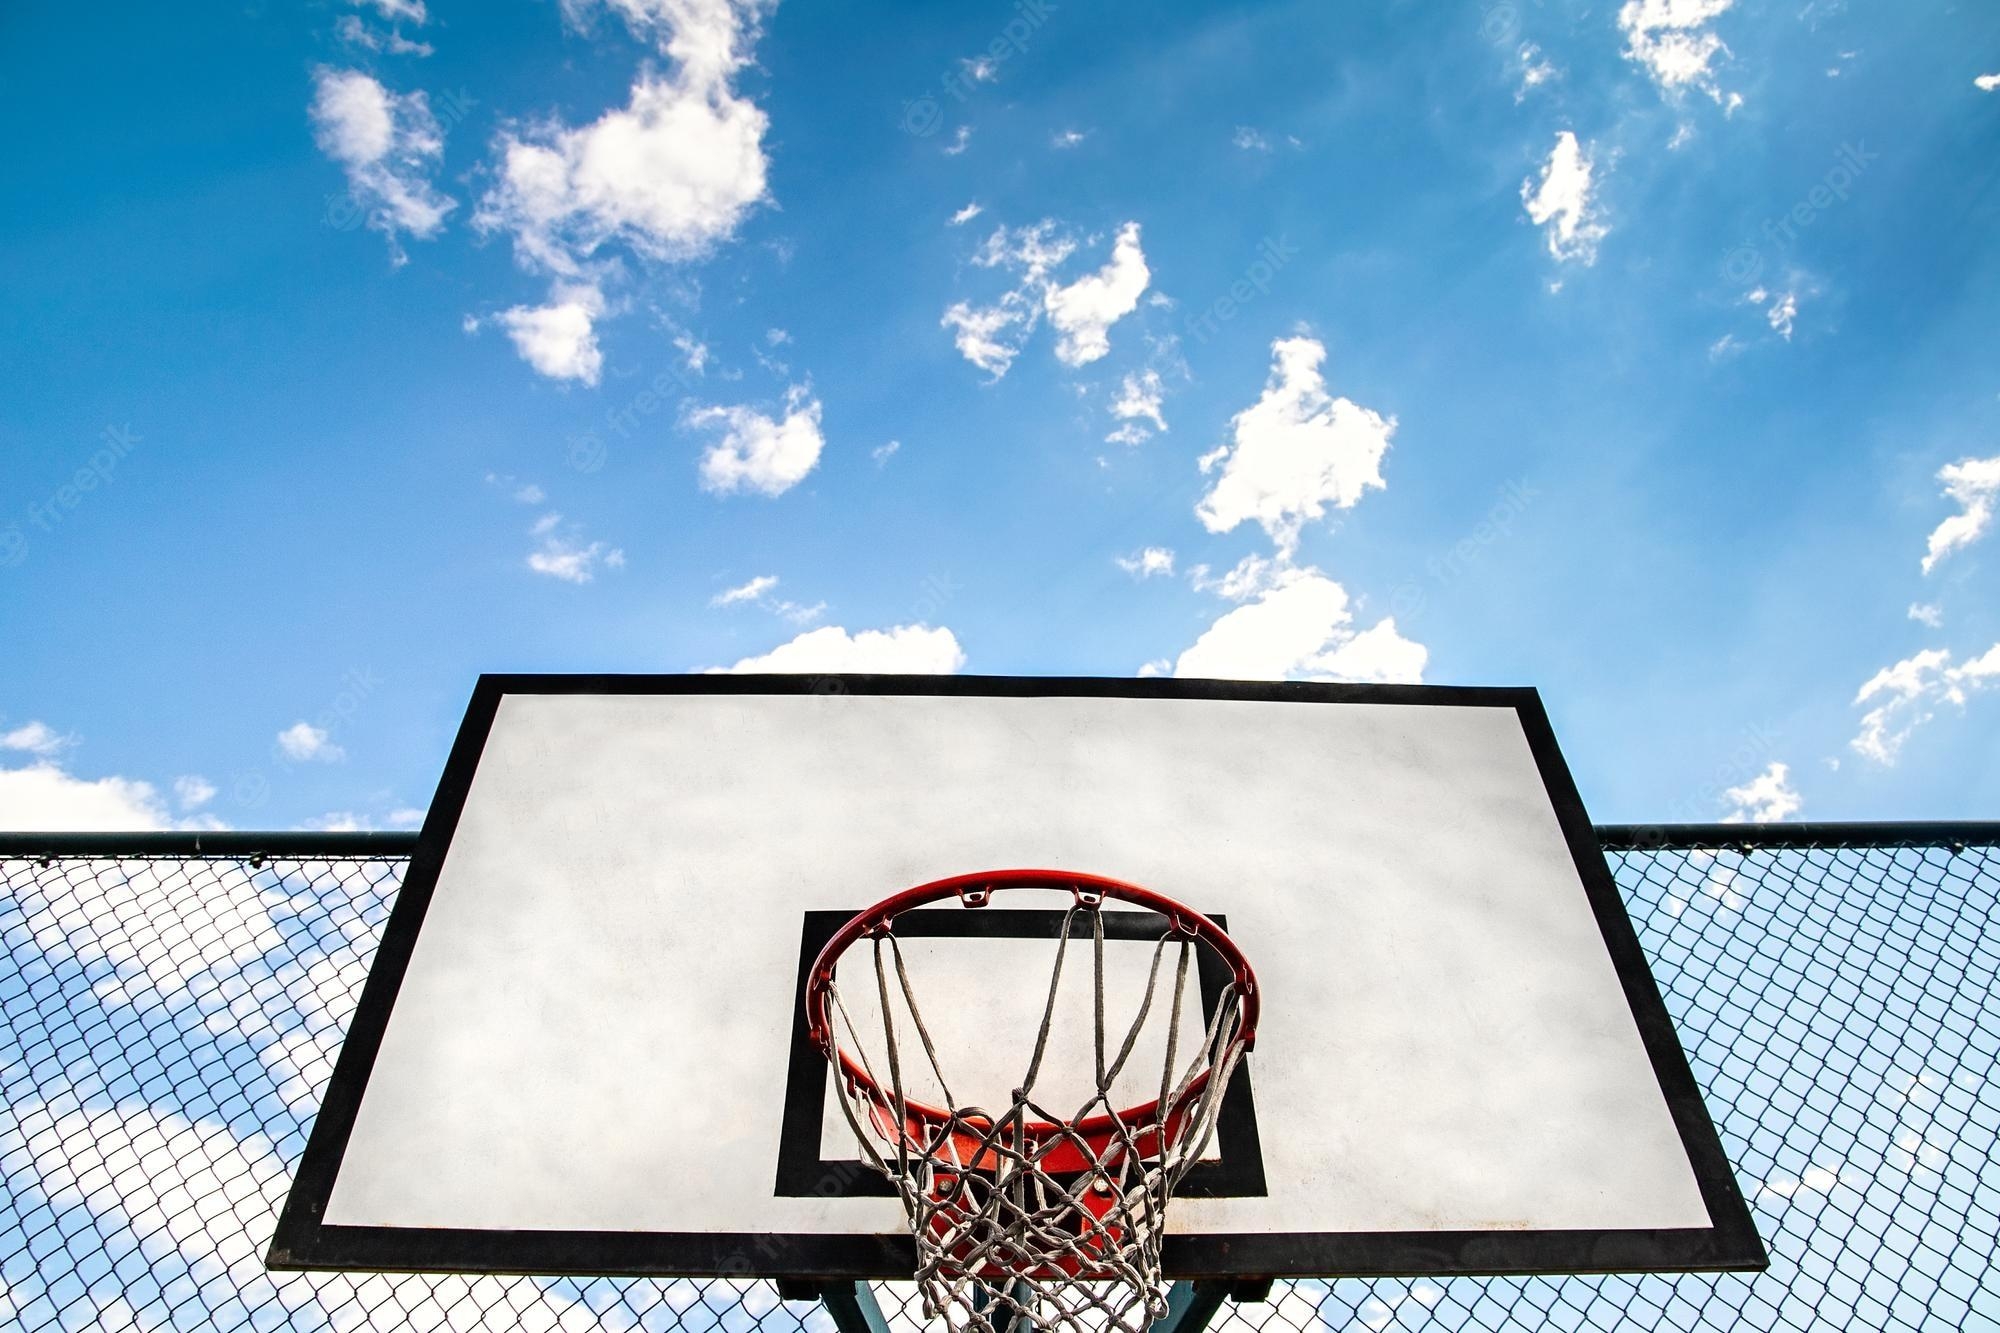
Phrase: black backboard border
(302, 1241)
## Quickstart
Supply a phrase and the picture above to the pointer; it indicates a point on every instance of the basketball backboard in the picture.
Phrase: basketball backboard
(582, 1047)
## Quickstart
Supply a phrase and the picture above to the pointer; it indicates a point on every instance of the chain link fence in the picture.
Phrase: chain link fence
(171, 1017)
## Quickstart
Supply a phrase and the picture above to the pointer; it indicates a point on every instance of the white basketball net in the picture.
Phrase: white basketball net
(1001, 1236)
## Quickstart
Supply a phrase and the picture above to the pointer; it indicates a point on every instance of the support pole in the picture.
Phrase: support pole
(1191, 1305)
(852, 1304)
(1022, 1297)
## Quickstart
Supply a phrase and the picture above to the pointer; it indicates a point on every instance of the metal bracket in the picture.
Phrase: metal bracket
(1191, 1305)
(852, 1304)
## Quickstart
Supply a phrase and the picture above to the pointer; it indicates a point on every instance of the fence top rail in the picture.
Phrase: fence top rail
(1856, 833)
(308, 846)
(231, 845)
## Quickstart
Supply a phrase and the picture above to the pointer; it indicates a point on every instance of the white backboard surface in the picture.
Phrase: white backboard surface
(583, 1027)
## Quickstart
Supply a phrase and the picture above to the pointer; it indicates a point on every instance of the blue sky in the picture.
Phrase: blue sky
(1638, 353)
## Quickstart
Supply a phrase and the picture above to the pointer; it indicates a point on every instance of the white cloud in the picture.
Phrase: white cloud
(1561, 204)
(759, 591)
(1377, 654)
(388, 144)
(1813, 1179)
(960, 141)
(1138, 406)
(990, 337)
(1145, 564)
(1727, 345)
(670, 174)
(981, 69)
(1069, 138)
(572, 561)
(882, 453)
(1906, 687)
(1783, 313)
(560, 339)
(1975, 484)
(777, 369)
(965, 215)
(1294, 451)
(1765, 799)
(1084, 311)
(1986, 83)
(42, 798)
(1535, 70)
(1908, 695)
(1672, 39)
(913, 649)
(36, 738)
(776, 337)
(1248, 577)
(1928, 614)
(192, 791)
(757, 452)
(694, 353)
(746, 592)
(412, 10)
(1034, 251)
(1781, 308)
(340, 821)
(350, 29)
(1250, 140)
(1301, 629)
(350, 821)
(530, 494)
(305, 742)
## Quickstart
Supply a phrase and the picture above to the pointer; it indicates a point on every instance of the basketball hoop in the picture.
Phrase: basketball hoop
(1025, 1213)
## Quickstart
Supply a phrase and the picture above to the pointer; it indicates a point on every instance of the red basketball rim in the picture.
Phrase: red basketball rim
(975, 891)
